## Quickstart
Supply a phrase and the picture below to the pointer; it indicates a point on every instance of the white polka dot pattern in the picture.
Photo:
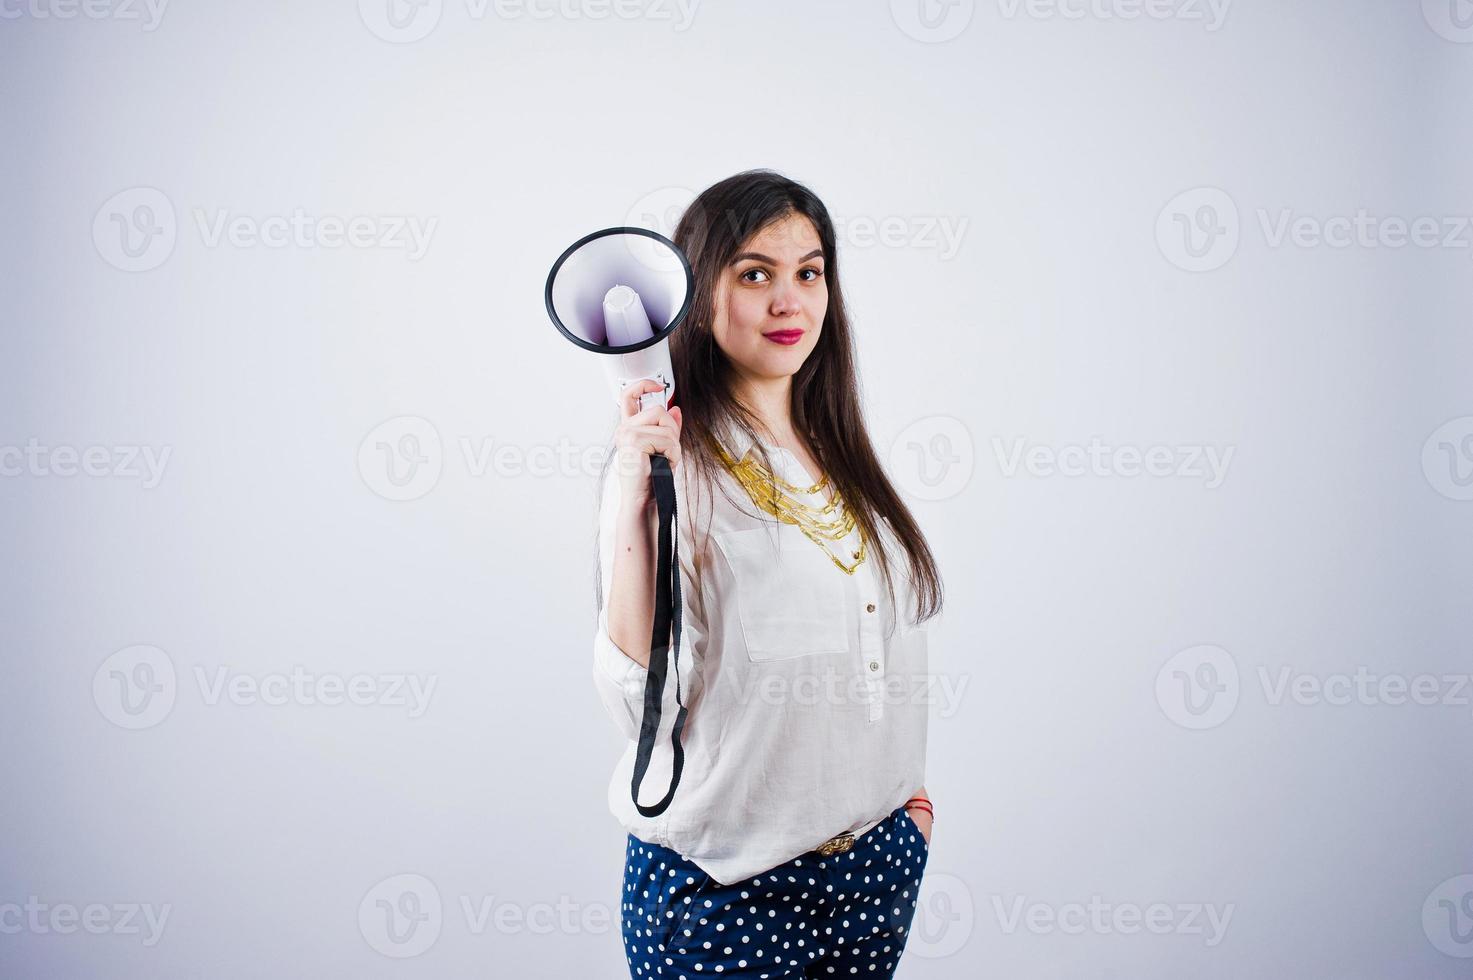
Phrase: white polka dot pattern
(847, 915)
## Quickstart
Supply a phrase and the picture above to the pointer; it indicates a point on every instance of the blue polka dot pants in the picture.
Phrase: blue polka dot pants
(846, 915)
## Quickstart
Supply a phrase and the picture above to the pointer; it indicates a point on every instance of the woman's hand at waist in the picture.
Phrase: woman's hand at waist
(920, 813)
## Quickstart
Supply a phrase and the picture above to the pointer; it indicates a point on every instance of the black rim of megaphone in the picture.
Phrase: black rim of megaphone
(690, 285)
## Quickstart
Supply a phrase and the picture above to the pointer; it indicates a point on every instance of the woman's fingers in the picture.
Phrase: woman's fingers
(651, 431)
(659, 435)
(651, 439)
(629, 398)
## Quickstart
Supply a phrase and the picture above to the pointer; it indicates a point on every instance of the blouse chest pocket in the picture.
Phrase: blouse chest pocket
(790, 596)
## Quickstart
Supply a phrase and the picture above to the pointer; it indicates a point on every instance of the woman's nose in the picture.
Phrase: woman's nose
(785, 301)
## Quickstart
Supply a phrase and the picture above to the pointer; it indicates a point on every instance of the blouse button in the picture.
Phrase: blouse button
(870, 607)
(874, 665)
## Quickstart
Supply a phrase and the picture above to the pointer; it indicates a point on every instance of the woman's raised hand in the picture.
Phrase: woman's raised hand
(639, 435)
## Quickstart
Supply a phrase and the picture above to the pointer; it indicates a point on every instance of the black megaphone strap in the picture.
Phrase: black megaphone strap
(665, 636)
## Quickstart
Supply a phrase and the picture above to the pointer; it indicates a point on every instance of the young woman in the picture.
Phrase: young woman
(795, 844)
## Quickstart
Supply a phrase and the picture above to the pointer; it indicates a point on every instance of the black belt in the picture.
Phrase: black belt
(665, 633)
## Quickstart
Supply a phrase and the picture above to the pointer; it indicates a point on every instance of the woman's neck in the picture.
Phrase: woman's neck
(770, 399)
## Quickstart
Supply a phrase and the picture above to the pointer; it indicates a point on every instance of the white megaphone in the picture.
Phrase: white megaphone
(621, 292)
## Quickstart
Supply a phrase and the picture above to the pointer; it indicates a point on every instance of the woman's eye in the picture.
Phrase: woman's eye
(754, 272)
(817, 274)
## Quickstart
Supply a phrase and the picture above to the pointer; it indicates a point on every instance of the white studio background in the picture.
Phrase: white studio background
(1150, 331)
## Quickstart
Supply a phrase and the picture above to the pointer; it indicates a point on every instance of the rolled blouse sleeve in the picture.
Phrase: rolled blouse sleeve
(620, 680)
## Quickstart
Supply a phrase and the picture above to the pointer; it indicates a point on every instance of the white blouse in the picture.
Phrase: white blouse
(806, 713)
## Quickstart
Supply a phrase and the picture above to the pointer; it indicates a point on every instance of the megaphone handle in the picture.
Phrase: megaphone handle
(665, 637)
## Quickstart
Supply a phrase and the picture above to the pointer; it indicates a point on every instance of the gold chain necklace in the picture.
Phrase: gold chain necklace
(773, 495)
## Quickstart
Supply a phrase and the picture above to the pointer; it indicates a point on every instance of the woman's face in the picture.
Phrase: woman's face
(771, 300)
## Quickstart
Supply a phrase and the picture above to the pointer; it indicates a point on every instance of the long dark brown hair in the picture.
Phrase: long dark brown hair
(825, 406)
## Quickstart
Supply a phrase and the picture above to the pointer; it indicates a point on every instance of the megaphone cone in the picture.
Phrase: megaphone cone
(621, 292)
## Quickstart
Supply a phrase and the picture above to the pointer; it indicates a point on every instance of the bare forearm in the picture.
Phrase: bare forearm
(631, 601)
